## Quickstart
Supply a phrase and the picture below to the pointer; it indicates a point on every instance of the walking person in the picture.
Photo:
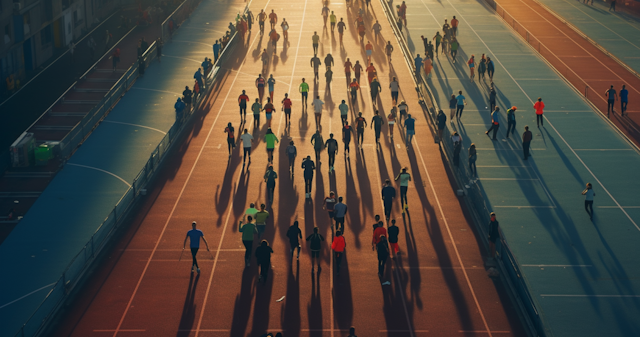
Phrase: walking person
(454, 26)
(198, 76)
(261, 219)
(272, 83)
(315, 63)
(378, 232)
(588, 199)
(341, 27)
(346, 138)
(338, 245)
(248, 230)
(315, 39)
(388, 194)
(404, 110)
(371, 72)
(317, 109)
(270, 177)
(115, 58)
(347, 70)
(473, 156)
(294, 234)
(454, 49)
(461, 102)
(511, 120)
(256, 108)
(404, 177)
(262, 17)
(391, 120)
(194, 236)
(375, 89)
(263, 255)
(383, 255)
(286, 107)
(456, 139)
(376, 124)
(482, 67)
(418, 64)
(453, 104)
(216, 50)
(318, 144)
(246, 139)
(333, 19)
(428, 66)
(438, 39)
(250, 19)
(495, 123)
(624, 99)
(309, 167)
(344, 111)
(285, 29)
(494, 234)
(357, 69)
(187, 97)
(328, 205)
(368, 48)
(539, 107)
(613, 6)
(316, 244)
(361, 123)
(273, 19)
(394, 86)
(442, 123)
(612, 97)
(260, 85)
(490, 68)
(393, 233)
(271, 141)
(527, 136)
(328, 61)
(231, 140)
(492, 98)
(269, 109)
(354, 87)
(251, 211)
(472, 66)
(292, 153)
(304, 91)
(340, 211)
(332, 150)
(388, 50)
(325, 13)
(242, 103)
(410, 129)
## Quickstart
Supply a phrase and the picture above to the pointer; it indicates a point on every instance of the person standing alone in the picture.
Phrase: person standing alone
(539, 106)
(338, 245)
(588, 199)
(526, 141)
(194, 236)
(404, 178)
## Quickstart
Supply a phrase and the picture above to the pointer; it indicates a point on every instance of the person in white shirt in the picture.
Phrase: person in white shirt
(317, 108)
(246, 139)
(588, 200)
(394, 87)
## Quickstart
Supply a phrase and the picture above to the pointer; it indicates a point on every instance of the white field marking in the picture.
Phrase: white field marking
(481, 331)
(587, 295)
(617, 206)
(196, 42)
(183, 58)
(156, 90)
(508, 179)
(24, 296)
(175, 205)
(101, 170)
(171, 250)
(604, 149)
(554, 128)
(558, 265)
(138, 125)
(123, 330)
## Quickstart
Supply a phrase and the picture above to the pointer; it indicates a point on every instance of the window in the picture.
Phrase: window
(46, 35)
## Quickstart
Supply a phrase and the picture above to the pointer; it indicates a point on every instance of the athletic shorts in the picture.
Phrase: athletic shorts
(318, 113)
(339, 220)
(305, 94)
(268, 116)
(231, 141)
(315, 253)
(411, 132)
(269, 150)
(331, 214)
(369, 52)
(287, 111)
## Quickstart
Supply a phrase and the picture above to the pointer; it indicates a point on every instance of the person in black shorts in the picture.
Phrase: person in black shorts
(316, 244)
(332, 150)
(329, 204)
(231, 140)
(194, 235)
(294, 234)
(340, 211)
(346, 137)
(308, 166)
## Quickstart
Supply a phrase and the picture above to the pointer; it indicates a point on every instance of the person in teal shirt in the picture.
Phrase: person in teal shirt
(248, 230)
(272, 83)
(271, 140)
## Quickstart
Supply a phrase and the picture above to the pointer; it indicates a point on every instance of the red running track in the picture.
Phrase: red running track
(438, 287)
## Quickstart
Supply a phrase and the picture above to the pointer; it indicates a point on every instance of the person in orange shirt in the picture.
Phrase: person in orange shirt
(273, 19)
(454, 26)
(428, 66)
(338, 245)
(274, 39)
(371, 72)
(369, 50)
(354, 86)
(403, 13)
(361, 32)
(377, 233)
(539, 106)
(347, 70)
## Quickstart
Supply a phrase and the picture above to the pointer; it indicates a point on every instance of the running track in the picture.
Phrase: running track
(438, 286)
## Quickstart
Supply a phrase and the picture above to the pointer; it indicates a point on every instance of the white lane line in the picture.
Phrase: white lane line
(507, 179)
(183, 58)
(617, 206)
(101, 170)
(157, 90)
(587, 295)
(558, 265)
(173, 209)
(604, 149)
(27, 295)
(137, 125)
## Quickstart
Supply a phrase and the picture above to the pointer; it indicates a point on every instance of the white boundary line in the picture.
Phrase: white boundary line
(31, 293)
(138, 125)
(101, 170)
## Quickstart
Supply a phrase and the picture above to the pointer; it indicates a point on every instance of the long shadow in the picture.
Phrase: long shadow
(261, 307)
(242, 305)
(353, 222)
(314, 308)
(189, 308)
(291, 316)
(343, 296)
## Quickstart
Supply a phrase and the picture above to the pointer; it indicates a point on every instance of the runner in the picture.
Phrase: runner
(402, 13)
(256, 108)
(371, 72)
(242, 102)
(472, 65)
(328, 61)
(490, 69)
(454, 26)
(269, 110)
(358, 69)
(250, 18)
(539, 107)
(273, 19)
(274, 37)
(383, 255)
(391, 120)
(376, 124)
(246, 139)
(270, 139)
(316, 244)
(388, 49)
(265, 60)
(375, 89)
(418, 65)
(429, 49)
(261, 220)
(495, 123)
(454, 49)
(494, 234)
(369, 51)
(328, 205)
(428, 66)
(251, 211)
(361, 31)
(624, 99)
(612, 97)
(286, 107)
(344, 111)
(341, 27)
(347, 70)
(378, 232)
(511, 121)
(340, 210)
(361, 123)
(194, 236)
(318, 144)
(294, 234)
(346, 137)
(260, 85)
(247, 230)
(315, 40)
(438, 39)
(304, 90)
(388, 194)
(317, 109)
(285, 28)
(333, 20)
(328, 76)
(332, 151)
(393, 237)
(325, 13)
(308, 166)
(462, 101)
(263, 255)
(270, 177)
(588, 200)
(231, 140)
(315, 63)
(404, 178)
(377, 28)
(338, 245)
(409, 125)
(354, 87)
(445, 27)
(482, 67)
(404, 109)
(292, 153)
(198, 76)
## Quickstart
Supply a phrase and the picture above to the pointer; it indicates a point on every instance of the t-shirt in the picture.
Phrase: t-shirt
(404, 179)
(338, 244)
(377, 232)
(317, 141)
(246, 139)
(452, 103)
(331, 145)
(229, 131)
(340, 210)
(308, 166)
(263, 254)
(460, 99)
(539, 106)
(243, 100)
(260, 82)
(315, 62)
(341, 26)
(316, 241)
(252, 212)
(330, 203)
(271, 81)
(394, 86)
(273, 17)
(315, 39)
(388, 193)
(256, 108)
(344, 109)
(194, 237)
(304, 87)
(393, 232)
(268, 108)
(261, 217)
(286, 103)
(294, 234)
(332, 17)
(624, 94)
(612, 94)
(317, 105)
(360, 121)
(377, 122)
(418, 61)
(247, 231)
(271, 177)
(492, 96)
(271, 139)
(346, 133)
(291, 151)
(442, 120)
(589, 195)
(410, 124)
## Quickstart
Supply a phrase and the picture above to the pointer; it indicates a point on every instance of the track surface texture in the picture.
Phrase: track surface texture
(438, 286)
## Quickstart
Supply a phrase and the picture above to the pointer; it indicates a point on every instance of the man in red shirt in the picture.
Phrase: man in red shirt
(454, 26)
(354, 86)
(539, 106)
(260, 85)
(268, 110)
(371, 72)
(338, 245)
(286, 106)
(242, 102)
(231, 141)
(380, 230)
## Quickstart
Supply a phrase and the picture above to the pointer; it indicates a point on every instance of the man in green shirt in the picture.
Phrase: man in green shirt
(261, 220)
(256, 108)
(271, 140)
(247, 231)
(304, 90)
(404, 178)
(454, 49)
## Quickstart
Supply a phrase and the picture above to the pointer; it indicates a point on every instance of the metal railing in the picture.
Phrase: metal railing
(475, 197)
(175, 19)
(74, 272)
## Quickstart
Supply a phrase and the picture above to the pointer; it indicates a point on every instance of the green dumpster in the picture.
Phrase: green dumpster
(42, 155)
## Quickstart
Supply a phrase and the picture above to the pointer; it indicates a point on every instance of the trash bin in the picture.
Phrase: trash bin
(42, 155)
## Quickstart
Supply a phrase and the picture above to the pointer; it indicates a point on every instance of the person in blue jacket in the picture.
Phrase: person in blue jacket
(179, 106)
